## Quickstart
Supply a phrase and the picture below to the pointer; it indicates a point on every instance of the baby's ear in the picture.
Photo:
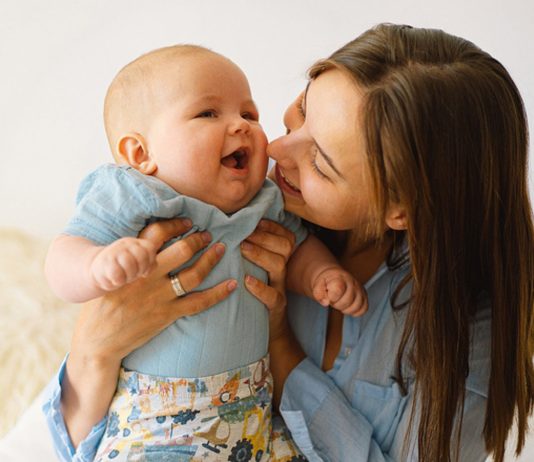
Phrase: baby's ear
(132, 149)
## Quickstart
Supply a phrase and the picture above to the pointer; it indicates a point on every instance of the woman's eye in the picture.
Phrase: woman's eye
(207, 114)
(316, 168)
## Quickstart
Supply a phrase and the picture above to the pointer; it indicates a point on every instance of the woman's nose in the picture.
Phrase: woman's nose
(284, 149)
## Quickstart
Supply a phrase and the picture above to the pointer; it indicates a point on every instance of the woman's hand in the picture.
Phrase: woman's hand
(111, 327)
(270, 247)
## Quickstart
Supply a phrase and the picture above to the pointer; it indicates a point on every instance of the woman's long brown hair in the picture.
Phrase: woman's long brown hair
(447, 138)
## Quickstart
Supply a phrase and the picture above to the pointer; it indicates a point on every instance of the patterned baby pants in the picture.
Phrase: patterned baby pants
(225, 417)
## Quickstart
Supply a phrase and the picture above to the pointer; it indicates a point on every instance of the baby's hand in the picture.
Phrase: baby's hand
(122, 262)
(337, 288)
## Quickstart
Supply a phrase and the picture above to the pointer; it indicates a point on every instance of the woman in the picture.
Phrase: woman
(408, 150)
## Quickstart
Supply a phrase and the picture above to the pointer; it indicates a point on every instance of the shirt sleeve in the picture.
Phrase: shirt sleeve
(112, 202)
(294, 224)
(60, 438)
(322, 422)
(286, 219)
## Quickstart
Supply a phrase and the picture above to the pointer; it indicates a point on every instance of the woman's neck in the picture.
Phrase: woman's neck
(362, 258)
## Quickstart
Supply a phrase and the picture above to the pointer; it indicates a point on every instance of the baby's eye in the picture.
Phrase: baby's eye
(249, 116)
(207, 114)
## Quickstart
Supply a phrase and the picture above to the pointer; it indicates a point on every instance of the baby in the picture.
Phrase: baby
(185, 133)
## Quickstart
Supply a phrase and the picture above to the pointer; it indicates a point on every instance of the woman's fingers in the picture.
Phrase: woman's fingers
(273, 237)
(196, 302)
(271, 297)
(274, 298)
(163, 315)
(192, 277)
(180, 252)
(273, 263)
(275, 228)
(161, 231)
(269, 247)
(272, 242)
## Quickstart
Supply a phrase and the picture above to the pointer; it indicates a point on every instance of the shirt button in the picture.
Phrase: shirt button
(347, 351)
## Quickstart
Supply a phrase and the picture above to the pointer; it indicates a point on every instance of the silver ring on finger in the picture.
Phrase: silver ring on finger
(177, 286)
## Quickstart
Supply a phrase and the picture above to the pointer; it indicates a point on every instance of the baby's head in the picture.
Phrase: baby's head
(185, 115)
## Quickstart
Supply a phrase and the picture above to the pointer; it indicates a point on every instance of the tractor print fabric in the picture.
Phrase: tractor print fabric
(225, 417)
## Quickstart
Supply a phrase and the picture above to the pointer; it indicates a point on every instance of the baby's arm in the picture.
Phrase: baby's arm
(313, 271)
(79, 270)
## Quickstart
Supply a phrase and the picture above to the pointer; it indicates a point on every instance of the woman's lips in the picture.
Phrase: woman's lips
(284, 184)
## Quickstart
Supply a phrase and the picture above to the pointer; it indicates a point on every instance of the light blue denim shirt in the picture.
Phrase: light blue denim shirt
(65, 451)
(118, 201)
(356, 411)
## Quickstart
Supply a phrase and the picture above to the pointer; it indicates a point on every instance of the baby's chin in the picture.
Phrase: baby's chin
(230, 206)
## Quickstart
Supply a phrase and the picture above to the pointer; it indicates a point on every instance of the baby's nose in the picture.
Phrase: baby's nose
(239, 125)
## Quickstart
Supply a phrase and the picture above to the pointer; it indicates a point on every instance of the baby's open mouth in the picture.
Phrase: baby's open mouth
(237, 159)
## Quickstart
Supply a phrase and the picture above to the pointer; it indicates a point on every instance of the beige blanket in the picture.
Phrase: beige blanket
(35, 327)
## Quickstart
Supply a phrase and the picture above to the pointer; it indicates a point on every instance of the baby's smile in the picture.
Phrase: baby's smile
(236, 160)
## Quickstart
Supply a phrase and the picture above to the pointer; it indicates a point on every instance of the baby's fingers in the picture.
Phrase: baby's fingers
(144, 254)
(339, 293)
(136, 260)
(104, 281)
(320, 293)
(359, 304)
(114, 276)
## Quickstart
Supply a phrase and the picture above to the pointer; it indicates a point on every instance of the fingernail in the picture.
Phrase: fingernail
(219, 249)
(231, 285)
(206, 236)
(249, 279)
(187, 222)
(262, 224)
(246, 246)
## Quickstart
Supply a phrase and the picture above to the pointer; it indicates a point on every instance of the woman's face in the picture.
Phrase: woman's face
(320, 162)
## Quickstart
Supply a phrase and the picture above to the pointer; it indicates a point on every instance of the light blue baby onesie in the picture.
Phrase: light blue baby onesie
(118, 201)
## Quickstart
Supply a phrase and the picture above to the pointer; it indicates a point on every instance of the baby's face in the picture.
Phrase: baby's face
(207, 141)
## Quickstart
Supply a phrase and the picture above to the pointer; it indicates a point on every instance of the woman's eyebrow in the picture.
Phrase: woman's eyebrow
(327, 159)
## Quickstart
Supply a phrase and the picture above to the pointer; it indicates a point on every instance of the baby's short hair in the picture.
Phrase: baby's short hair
(128, 104)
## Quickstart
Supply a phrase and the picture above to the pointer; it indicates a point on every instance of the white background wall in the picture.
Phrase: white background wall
(58, 56)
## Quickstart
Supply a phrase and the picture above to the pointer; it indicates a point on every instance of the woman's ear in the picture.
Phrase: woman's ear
(396, 217)
(133, 150)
